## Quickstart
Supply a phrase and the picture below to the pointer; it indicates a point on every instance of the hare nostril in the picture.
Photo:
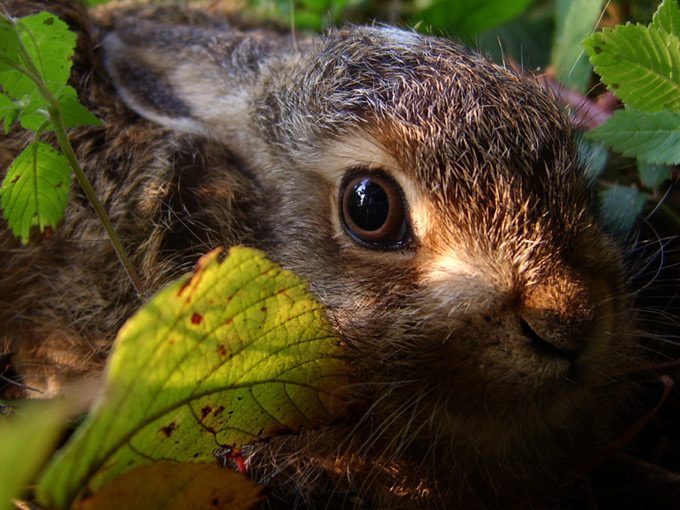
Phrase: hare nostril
(543, 346)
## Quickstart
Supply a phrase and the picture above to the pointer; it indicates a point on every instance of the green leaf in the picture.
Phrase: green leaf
(34, 114)
(35, 191)
(653, 175)
(595, 156)
(526, 39)
(9, 44)
(308, 19)
(316, 5)
(229, 356)
(667, 17)
(575, 20)
(73, 113)
(50, 44)
(23, 90)
(8, 111)
(621, 207)
(471, 17)
(641, 65)
(27, 440)
(652, 137)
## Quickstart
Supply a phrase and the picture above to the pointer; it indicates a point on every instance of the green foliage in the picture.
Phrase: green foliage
(641, 65)
(39, 49)
(35, 63)
(466, 18)
(575, 19)
(304, 14)
(229, 356)
(35, 190)
(667, 17)
(621, 206)
(653, 175)
(27, 439)
(49, 45)
(596, 156)
(651, 136)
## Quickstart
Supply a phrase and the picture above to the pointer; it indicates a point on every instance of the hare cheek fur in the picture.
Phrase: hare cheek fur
(484, 342)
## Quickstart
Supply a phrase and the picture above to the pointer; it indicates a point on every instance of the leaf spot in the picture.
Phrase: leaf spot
(218, 411)
(169, 430)
(196, 318)
(263, 309)
(222, 350)
(205, 412)
(16, 178)
(229, 321)
(184, 286)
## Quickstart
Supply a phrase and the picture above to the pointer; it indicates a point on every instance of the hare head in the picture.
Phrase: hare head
(438, 206)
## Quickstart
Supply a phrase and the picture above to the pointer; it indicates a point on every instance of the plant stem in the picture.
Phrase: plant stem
(60, 130)
(55, 116)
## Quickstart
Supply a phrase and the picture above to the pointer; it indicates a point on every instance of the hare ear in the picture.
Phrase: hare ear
(188, 78)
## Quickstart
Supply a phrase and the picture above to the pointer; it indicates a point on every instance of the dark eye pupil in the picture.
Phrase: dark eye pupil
(373, 211)
(368, 205)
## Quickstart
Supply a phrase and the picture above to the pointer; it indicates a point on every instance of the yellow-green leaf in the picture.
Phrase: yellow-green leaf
(228, 356)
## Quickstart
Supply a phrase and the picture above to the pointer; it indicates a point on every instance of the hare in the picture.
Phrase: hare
(435, 201)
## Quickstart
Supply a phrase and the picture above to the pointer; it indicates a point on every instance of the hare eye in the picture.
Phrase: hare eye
(373, 212)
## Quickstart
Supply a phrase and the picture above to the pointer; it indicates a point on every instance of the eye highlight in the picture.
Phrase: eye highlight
(373, 211)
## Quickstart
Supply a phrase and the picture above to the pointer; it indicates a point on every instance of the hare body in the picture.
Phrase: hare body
(481, 309)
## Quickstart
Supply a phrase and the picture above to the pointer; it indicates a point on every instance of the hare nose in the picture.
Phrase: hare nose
(558, 318)
(563, 343)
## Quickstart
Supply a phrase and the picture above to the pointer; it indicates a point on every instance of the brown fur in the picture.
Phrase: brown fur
(243, 139)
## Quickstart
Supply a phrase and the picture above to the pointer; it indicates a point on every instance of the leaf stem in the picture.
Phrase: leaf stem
(55, 116)
(60, 130)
